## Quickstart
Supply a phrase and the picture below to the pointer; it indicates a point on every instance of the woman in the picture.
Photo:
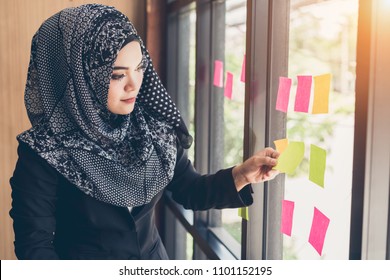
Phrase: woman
(105, 141)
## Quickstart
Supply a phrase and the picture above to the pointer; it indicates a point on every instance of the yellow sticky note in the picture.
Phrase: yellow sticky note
(317, 165)
(281, 144)
(292, 156)
(244, 213)
(321, 94)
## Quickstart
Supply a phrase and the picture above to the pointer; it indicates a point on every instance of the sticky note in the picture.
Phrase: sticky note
(242, 79)
(229, 85)
(321, 94)
(283, 94)
(302, 98)
(292, 156)
(317, 165)
(287, 217)
(244, 213)
(318, 230)
(281, 145)
(218, 73)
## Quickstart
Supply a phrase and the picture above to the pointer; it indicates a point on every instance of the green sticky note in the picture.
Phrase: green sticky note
(292, 156)
(244, 213)
(317, 165)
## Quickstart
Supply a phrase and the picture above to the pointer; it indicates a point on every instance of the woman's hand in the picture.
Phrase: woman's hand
(256, 169)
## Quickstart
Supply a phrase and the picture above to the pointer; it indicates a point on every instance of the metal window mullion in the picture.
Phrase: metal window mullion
(267, 31)
(216, 106)
(276, 121)
(360, 130)
(202, 101)
(177, 85)
(255, 116)
(377, 168)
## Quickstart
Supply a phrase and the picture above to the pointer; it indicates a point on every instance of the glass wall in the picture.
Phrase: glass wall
(181, 86)
(287, 39)
(322, 40)
(235, 37)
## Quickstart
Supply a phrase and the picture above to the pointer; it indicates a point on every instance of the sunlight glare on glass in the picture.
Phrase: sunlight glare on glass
(386, 3)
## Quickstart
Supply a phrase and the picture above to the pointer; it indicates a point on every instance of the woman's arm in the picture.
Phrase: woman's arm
(228, 188)
(34, 195)
(256, 169)
(202, 192)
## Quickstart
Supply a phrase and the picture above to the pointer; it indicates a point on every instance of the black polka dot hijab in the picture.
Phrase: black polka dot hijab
(123, 160)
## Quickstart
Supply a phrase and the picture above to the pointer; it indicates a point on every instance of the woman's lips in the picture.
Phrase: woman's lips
(129, 100)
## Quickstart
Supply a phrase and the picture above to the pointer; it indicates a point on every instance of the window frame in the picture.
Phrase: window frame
(371, 177)
(267, 60)
(211, 240)
(256, 121)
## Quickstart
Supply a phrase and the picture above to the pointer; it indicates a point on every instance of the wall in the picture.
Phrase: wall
(19, 20)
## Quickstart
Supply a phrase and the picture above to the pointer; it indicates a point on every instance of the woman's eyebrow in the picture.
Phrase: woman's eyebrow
(120, 68)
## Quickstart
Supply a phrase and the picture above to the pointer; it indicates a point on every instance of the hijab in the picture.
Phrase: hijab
(124, 160)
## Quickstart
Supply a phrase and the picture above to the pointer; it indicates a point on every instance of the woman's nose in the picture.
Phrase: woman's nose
(131, 83)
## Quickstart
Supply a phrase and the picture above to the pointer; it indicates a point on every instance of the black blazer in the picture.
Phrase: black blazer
(53, 219)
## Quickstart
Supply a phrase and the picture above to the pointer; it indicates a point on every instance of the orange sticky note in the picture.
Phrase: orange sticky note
(218, 73)
(281, 145)
(321, 94)
(283, 94)
(229, 85)
(287, 217)
(242, 79)
(302, 98)
(318, 230)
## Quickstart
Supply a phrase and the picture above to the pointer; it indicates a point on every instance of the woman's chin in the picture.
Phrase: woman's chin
(124, 110)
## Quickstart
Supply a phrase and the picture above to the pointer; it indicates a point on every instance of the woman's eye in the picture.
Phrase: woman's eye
(143, 65)
(140, 69)
(117, 76)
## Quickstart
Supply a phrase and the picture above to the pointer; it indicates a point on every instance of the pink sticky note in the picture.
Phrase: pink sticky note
(242, 79)
(318, 230)
(283, 94)
(302, 98)
(287, 217)
(229, 85)
(218, 73)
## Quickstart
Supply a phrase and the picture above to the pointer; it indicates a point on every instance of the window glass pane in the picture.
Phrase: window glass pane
(322, 40)
(234, 108)
(186, 70)
(187, 27)
(180, 84)
(192, 78)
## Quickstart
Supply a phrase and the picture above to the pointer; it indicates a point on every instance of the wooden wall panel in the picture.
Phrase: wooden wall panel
(156, 11)
(19, 20)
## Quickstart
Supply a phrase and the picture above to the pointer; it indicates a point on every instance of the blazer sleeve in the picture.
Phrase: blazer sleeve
(34, 194)
(202, 192)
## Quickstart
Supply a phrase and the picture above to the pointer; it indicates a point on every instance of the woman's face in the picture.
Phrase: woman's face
(126, 79)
